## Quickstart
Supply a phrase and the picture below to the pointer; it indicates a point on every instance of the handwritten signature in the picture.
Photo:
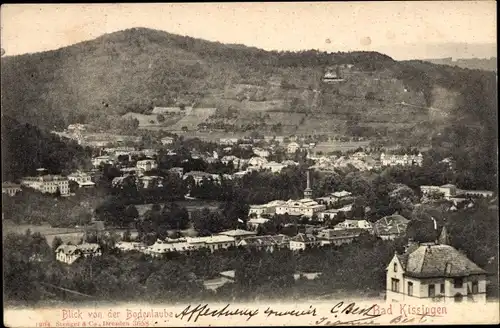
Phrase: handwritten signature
(203, 310)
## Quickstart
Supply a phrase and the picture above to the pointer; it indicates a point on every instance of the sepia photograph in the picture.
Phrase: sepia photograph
(249, 164)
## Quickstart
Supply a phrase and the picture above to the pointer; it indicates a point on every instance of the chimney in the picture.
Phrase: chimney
(308, 179)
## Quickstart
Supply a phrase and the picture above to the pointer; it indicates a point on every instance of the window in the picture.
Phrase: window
(458, 282)
(395, 285)
(432, 290)
(410, 288)
(395, 267)
(442, 289)
(475, 287)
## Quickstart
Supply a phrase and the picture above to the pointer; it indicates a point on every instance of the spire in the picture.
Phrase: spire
(443, 237)
(308, 190)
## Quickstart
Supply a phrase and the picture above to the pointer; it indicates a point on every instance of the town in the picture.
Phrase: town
(272, 195)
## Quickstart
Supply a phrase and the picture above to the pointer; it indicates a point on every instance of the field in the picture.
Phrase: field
(66, 234)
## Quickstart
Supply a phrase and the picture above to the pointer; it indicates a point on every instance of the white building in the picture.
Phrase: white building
(339, 237)
(354, 224)
(126, 246)
(146, 165)
(257, 162)
(47, 184)
(97, 161)
(238, 234)
(167, 141)
(265, 209)
(273, 167)
(332, 213)
(212, 243)
(292, 147)
(70, 253)
(10, 188)
(303, 241)
(403, 160)
(151, 181)
(83, 179)
(261, 152)
(435, 272)
(305, 207)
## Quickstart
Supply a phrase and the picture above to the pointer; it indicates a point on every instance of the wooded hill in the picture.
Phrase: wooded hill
(136, 69)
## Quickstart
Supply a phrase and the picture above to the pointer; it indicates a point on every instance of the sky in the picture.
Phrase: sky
(402, 30)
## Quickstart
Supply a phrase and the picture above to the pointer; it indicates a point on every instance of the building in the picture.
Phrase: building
(302, 241)
(10, 188)
(257, 162)
(146, 165)
(228, 141)
(450, 191)
(212, 243)
(338, 237)
(167, 141)
(179, 171)
(354, 224)
(70, 253)
(47, 184)
(333, 212)
(98, 161)
(435, 272)
(127, 246)
(391, 227)
(273, 167)
(83, 179)
(403, 160)
(254, 223)
(199, 176)
(447, 191)
(268, 243)
(292, 147)
(260, 152)
(335, 198)
(302, 207)
(265, 209)
(238, 234)
(151, 181)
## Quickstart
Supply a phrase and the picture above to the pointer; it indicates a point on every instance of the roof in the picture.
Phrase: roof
(448, 185)
(303, 238)
(343, 233)
(340, 194)
(10, 185)
(268, 240)
(84, 248)
(436, 260)
(258, 220)
(391, 225)
(237, 233)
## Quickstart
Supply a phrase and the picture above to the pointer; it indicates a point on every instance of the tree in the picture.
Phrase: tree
(56, 242)
(160, 118)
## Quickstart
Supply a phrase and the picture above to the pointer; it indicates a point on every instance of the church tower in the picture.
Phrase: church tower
(308, 190)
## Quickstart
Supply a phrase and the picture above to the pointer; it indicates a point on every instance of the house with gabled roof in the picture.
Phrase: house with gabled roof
(70, 253)
(268, 242)
(302, 241)
(435, 272)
